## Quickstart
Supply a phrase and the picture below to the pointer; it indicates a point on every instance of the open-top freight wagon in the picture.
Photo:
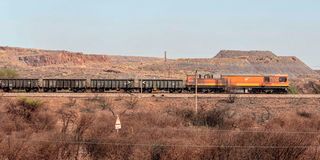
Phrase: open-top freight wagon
(102, 85)
(170, 85)
(53, 85)
(130, 85)
(27, 85)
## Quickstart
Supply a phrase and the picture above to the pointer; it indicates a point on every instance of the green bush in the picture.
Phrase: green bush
(8, 73)
(31, 104)
(293, 90)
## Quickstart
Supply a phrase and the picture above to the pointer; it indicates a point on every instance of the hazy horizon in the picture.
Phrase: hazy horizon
(185, 29)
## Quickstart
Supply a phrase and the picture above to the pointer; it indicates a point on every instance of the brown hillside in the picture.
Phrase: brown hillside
(46, 63)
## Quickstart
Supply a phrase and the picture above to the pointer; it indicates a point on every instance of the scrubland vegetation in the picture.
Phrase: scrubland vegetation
(157, 128)
(8, 73)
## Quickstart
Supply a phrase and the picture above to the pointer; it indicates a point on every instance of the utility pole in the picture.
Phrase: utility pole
(196, 91)
(167, 64)
(141, 77)
(165, 56)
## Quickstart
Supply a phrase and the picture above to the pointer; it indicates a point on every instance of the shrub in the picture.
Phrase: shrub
(9, 124)
(8, 73)
(231, 98)
(97, 150)
(212, 118)
(258, 146)
(32, 104)
(44, 121)
(29, 112)
(293, 90)
(87, 110)
(157, 152)
(105, 104)
(315, 87)
(186, 114)
(24, 108)
(132, 102)
(304, 114)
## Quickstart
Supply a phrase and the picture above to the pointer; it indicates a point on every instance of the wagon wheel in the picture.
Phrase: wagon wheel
(6, 90)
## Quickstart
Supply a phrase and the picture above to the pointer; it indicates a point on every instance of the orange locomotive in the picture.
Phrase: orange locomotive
(239, 83)
(205, 84)
(257, 83)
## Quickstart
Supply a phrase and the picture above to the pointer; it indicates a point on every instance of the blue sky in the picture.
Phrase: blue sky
(184, 28)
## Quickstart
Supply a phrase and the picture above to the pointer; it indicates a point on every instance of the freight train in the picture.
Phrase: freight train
(202, 83)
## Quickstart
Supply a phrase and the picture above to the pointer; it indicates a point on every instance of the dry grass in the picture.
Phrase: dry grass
(31, 130)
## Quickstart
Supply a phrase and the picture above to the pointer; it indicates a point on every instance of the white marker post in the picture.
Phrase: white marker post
(118, 124)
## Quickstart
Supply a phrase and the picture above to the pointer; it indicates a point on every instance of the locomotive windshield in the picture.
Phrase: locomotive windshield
(283, 79)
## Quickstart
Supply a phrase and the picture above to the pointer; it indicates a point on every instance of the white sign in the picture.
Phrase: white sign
(118, 123)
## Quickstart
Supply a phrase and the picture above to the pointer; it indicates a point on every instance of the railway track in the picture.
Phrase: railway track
(167, 95)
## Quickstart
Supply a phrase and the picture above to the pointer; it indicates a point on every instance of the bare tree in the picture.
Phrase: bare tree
(67, 116)
(130, 104)
(106, 104)
(82, 125)
(12, 149)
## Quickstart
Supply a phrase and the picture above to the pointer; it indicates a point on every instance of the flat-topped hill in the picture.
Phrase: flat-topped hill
(239, 54)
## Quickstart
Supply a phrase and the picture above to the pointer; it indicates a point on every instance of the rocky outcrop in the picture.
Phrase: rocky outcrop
(62, 58)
